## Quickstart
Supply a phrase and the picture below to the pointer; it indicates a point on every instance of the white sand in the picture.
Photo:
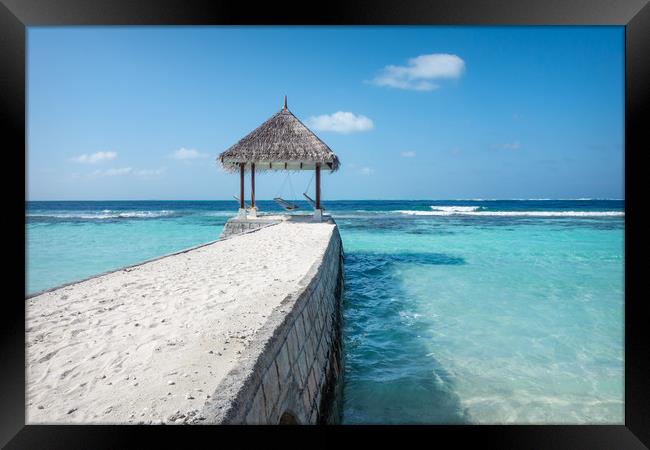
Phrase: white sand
(151, 343)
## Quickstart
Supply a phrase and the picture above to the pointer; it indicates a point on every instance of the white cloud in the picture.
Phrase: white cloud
(95, 158)
(149, 172)
(420, 71)
(111, 172)
(366, 171)
(340, 122)
(408, 154)
(185, 154)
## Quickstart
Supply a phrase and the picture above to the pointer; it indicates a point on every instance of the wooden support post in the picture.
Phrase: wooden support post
(317, 186)
(252, 185)
(241, 185)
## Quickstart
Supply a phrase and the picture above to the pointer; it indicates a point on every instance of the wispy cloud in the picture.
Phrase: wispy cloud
(95, 158)
(149, 172)
(111, 172)
(366, 171)
(124, 171)
(185, 154)
(420, 72)
(514, 145)
(341, 122)
(408, 154)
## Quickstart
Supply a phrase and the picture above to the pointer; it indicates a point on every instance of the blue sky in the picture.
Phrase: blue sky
(412, 112)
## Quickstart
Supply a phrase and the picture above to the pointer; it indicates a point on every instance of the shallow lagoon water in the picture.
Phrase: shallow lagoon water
(485, 323)
(454, 311)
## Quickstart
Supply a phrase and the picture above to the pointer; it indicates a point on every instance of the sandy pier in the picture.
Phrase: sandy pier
(151, 343)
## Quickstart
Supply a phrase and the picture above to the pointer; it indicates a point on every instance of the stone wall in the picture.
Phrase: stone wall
(297, 374)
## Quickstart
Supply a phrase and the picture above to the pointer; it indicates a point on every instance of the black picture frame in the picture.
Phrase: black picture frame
(16, 15)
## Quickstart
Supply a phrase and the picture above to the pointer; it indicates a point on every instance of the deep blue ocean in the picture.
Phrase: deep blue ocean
(465, 311)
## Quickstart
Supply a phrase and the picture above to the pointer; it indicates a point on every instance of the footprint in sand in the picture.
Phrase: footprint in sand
(48, 356)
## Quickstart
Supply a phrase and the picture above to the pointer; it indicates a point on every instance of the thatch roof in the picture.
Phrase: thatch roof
(280, 143)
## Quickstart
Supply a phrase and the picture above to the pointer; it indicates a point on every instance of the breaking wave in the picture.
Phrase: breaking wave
(105, 214)
(472, 212)
(455, 209)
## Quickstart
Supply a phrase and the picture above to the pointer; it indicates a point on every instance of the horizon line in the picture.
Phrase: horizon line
(344, 200)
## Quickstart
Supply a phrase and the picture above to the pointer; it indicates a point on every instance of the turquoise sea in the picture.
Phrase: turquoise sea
(466, 311)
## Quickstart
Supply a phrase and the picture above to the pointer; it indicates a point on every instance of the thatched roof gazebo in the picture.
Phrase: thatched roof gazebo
(283, 142)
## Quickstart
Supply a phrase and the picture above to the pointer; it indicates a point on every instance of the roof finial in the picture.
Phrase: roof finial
(285, 103)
